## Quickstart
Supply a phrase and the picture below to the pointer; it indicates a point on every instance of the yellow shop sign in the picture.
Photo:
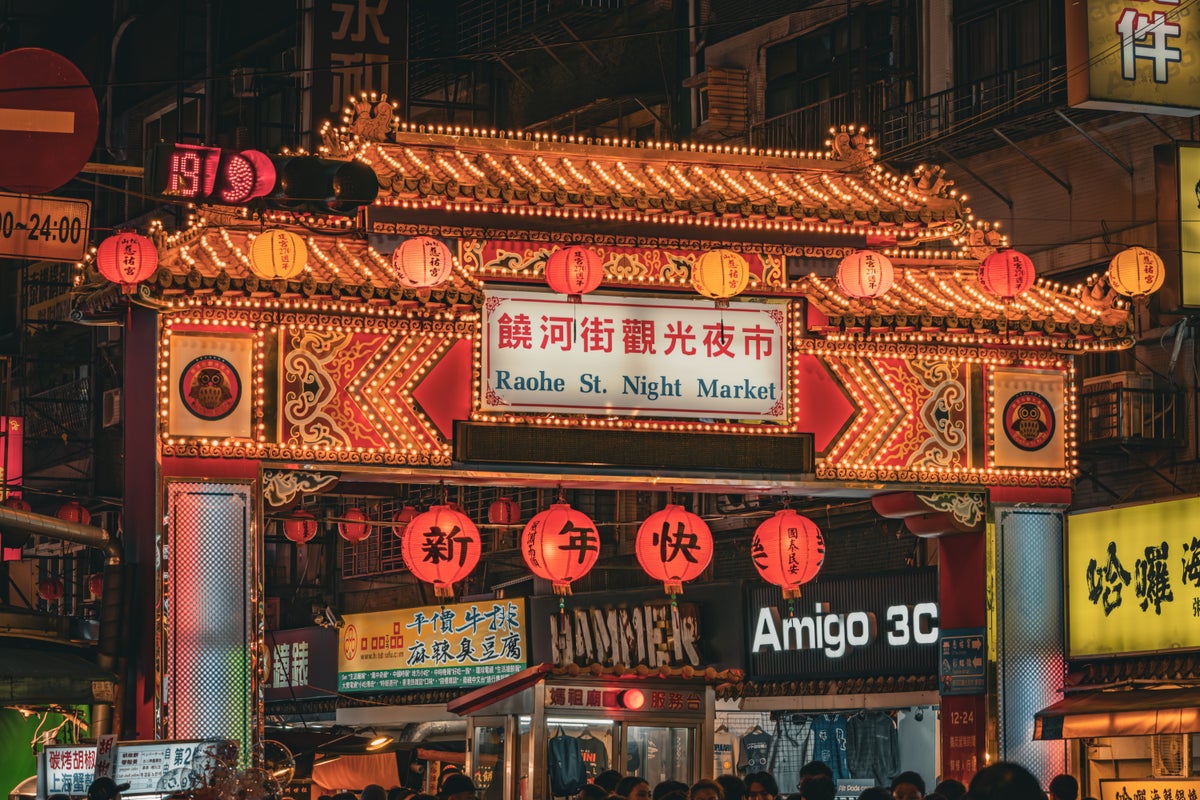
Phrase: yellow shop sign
(1133, 579)
(465, 644)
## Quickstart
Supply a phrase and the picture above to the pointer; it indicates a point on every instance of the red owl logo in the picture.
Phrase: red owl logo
(210, 388)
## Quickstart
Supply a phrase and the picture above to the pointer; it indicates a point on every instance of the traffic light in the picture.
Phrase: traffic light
(249, 177)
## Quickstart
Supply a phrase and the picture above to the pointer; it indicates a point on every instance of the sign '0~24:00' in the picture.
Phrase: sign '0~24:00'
(634, 356)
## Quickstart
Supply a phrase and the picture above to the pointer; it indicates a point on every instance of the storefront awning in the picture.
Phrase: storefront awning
(36, 677)
(1135, 712)
(485, 696)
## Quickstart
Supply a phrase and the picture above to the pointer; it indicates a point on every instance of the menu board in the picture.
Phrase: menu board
(150, 768)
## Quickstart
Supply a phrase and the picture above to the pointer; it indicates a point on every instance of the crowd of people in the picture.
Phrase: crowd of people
(1002, 781)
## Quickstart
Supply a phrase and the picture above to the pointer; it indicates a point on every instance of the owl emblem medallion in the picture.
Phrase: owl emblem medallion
(1029, 421)
(210, 388)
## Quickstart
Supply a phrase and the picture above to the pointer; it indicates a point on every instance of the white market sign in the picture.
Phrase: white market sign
(634, 356)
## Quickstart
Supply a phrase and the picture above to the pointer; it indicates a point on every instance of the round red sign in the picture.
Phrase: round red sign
(48, 120)
(210, 388)
(1029, 421)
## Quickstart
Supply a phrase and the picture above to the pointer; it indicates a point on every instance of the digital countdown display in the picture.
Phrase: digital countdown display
(195, 172)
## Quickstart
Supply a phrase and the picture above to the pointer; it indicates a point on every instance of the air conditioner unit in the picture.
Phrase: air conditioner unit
(1171, 755)
(112, 408)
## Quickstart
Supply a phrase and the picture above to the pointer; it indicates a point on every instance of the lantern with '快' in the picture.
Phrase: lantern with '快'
(1006, 274)
(441, 547)
(422, 262)
(278, 254)
(865, 275)
(300, 526)
(560, 545)
(720, 274)
(1136, 272)
(354, 527)
(127, 259)
(674, 546)
(574, 271)
(788, 551)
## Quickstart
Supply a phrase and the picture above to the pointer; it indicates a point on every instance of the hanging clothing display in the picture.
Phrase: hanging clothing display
(829, 743)
(873, 746)
(792, 750)
(725, 757)
(755, 751)
(595, 754)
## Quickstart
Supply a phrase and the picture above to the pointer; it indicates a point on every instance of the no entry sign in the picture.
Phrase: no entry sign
(48, 120)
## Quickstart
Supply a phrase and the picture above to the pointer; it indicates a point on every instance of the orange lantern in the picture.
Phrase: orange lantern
(720, 274)
(127, 258)
(277, 254)
(50, 589)
(1007, 273)
(441, 547)
(560, 545)
(354, 527)
(74, 512)
(674, 546)
(1136, 272)
(788, 550)
(504, 511)
(300, 526)
(95, 584)
(422, 262)
(574, 271)
(865, 275)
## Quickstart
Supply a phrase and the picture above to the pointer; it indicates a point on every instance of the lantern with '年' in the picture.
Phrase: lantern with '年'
(560, 545)
(300, 526)
(673, 546)
(1136, 272)
(278, 254)
(1006, 274)
(865, 275)
(422, 262)
(441, 547)
(354, 527)
(127, 259)
(574, 271)
(788, 550)
(720, 274)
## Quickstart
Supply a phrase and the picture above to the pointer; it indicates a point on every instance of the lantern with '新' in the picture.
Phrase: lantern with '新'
(788, 551)
(720, 274)
(300, 526)
(422, 262)
(865, 275)
(674, 546)
(1006, 274)
(560, 545)
(441, 547)
(278, 254)
(574, 271)
(127, 259)
(354, 527)
(1136, 272)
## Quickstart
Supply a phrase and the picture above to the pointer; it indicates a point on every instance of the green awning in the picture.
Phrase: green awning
(30, 676)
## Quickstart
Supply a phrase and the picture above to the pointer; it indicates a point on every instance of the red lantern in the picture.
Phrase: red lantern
(1136, 272)
(1007, 273)
(300, 526)
(50, 589)
(574, 271)
(401, 519)
(74, 512)
(504, 511)
(95, 584)
(674, 546)
(560, 545)
(422, 262)
(17, 503)
(865, 275)
(354, 527)
(441, 547)
(788, 550)
(127, 259)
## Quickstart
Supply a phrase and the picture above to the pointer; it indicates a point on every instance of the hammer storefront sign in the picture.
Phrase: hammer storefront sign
(653, 634)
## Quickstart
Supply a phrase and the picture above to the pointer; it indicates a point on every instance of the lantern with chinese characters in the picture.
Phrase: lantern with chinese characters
(504, 511)
(401, 519)
(574, 271)
(50, 589)
(788, 551)
(560, 545)
(1006, 273)
(95, 584)
(354, 527)
(441, 547)
(127, 259)
(674, 546)
(300, 526)
(73, 512)
(865, 275)
(276, 254)
(720, 274)
(422, 262)
(1136, 272)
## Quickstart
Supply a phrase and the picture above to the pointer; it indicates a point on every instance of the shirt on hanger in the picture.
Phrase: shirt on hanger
(595, 755)
(792, 750)
(829, 744)
(724, 753)
(755, 751)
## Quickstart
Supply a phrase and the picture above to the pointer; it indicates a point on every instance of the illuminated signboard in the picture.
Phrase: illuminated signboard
(634, 356)
(1133, 56)
(1133, 579)
(150, 768)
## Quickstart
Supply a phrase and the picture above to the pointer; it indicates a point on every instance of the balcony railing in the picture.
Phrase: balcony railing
(1122, 417)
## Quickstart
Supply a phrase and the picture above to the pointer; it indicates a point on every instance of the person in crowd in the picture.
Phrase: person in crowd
(632, 787)
(875, 793)
(761, 786)
(345, 796)
(818, 787)
(608, 780)
(593, 791)
(1064, 787)
(457, 786)
(815, 769)
(423, 797)
(675, 794)
(951, 789)
(1004, 781)
(706, 790)
(373, 791)
(667, 787)
(936, 796)
(400, 793)
(908, 786)
(733, 786)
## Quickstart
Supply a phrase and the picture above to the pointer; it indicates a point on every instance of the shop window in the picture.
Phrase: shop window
(994, 38)
(659, 753)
